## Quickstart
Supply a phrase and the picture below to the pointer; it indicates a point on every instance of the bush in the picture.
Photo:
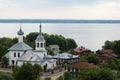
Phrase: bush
(6, 76)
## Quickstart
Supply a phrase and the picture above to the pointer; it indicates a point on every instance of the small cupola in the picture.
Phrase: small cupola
(20, 32)
(20, 35)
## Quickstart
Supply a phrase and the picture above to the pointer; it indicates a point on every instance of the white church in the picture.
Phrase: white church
(21, 53)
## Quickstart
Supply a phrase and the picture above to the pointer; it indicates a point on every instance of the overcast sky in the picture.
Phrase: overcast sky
(60, 9)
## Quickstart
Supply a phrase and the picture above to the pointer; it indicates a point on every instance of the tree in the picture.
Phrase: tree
(6, 76)
(98, 74)
(67, 76)
(5, 43)
(60, 78)
(25, 72)
(89, 57)
(117, 47)
(71, 51)
(114, 45)
(30, 39)
(93, 59)
(37, 69)
(5, 61)
(32, 36)
(71, 44)
(114, 64)
(108, 45)
(3, 50)
(16, 72)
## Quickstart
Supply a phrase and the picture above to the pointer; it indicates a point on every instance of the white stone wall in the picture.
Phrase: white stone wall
(49, 64)
(12, 57)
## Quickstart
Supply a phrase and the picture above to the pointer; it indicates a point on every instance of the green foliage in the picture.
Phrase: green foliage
(5, 60)
(71, 51)
(108, 45)
(71, 44)
(115, 45)
(60, 78)
(67, 76)
(90, 57)
(27, 72)
(3, 50)
(16, 72)
(5, 43)
(48, 78)
(93, 59)
(6, 76)
(98, 74)
(30, 38)
(118, 75)
(113, 64)
(37, 69)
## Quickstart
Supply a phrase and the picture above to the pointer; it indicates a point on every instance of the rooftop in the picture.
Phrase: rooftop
(65, 56)
(20, 46)
(82, 65)
(81, 49)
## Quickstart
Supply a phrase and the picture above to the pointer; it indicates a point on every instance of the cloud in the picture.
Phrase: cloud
(70, 9)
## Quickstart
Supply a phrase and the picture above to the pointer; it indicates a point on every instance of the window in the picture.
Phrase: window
(14, 54)
(41, 44)
(37, 44)
(74, 70)
(44, 44)
(16, 62)
(18, 54)
(70, 70)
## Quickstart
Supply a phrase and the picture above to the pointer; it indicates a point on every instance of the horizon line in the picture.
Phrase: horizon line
(58, 21)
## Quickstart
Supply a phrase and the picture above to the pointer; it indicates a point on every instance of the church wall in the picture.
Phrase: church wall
(13, 56)
(50, 65)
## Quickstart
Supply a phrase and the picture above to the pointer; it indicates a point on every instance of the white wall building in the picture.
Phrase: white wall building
(54, 48)
(20, 52)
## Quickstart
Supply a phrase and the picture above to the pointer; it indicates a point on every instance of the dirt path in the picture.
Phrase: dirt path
(53, 77)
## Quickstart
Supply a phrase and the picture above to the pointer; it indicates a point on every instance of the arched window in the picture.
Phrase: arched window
(44, 44)
(18, 54)
(41, 44)
(14, 54)
(37, 44)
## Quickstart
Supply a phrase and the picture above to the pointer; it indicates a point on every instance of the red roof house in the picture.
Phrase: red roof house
(81, 50)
